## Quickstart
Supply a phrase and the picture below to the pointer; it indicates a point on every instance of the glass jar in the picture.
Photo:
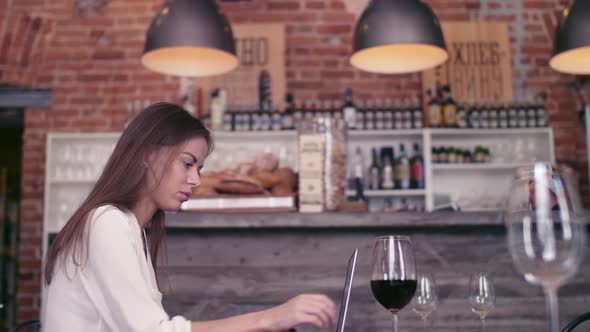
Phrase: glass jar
(331, 134)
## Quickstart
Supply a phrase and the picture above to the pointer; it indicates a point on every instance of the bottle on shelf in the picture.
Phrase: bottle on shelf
(398, 122)
(513, 114)
(388, 114)
(360, 116)
(541, 113)
(275, 118)
(474, 115)
(503, 116)
(417, 114)
(379, 115)
(407, 114)
(522, 114)
(493, 115)
(434, 109)
(531, 115)
(358, 183)
(461, 116)
(449, 109)
(417, 169)
(484, 115)
(402, 169)
(228, 119)
(387, 172)
(374, 171)
(287, 118)
(349, 110)
(369, 115)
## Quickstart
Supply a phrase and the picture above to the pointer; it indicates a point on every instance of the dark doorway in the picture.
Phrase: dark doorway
(11, 141)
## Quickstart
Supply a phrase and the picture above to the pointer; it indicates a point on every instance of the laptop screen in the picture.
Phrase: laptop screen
(346, 292)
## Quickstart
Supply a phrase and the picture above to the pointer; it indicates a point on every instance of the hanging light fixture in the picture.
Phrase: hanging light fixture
(571, 52)
(398, 36)
(190, 38)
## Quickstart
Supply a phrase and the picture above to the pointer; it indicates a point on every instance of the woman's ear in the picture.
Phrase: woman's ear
(150, 157)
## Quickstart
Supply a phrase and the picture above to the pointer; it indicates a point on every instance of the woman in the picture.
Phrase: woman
(100, 271)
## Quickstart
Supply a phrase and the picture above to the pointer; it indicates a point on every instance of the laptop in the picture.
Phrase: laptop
(345, 293)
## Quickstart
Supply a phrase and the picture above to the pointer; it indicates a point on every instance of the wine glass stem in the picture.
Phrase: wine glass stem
(394, 322)
(483, 324)
(552, 309)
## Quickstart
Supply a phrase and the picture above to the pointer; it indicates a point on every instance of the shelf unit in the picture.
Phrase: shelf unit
(74, 161)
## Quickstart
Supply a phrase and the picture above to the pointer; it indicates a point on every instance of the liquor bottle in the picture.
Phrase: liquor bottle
(522, 112)
(493, 115)
(374, 171)
(407, 114)
(449, 109)
(369, 115)
(531, 114)
(484, 115)
(434, 109)
(287, 118)
(474, 116)
(349, 110)
(275, 118)
(379, 115)
(513, 115)
(402, 169)
(388, 114)
(461, 116)
(360, 116)
(503, 116)
(358, 178)
(387, 173)
(228, 119)
(417, 168)
(398, 122)
(417, 114)
(541, 113)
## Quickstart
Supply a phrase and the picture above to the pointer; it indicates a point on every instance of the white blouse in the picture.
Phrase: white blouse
(115, 289)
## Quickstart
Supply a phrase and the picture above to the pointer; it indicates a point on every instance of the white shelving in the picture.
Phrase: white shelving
(477, 167)
(390, 193)
(74, 161)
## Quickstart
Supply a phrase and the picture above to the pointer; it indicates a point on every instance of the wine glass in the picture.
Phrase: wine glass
(393, 280)
(482, 296)
(426, 299)
(546, 237)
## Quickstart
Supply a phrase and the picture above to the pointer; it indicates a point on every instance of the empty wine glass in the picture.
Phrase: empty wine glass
(546, 237)
(393, 280)
(426, 300)
(482, 296)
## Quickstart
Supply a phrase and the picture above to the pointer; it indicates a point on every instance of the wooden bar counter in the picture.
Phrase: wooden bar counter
(224, 264)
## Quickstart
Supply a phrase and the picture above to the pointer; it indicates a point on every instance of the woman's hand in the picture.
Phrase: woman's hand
(314, 309)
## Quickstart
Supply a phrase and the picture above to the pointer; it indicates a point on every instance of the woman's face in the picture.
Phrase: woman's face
(169, 187)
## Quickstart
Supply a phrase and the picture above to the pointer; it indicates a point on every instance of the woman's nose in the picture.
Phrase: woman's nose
(194, 179)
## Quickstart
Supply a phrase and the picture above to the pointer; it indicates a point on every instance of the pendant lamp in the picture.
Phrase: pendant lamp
(398, 36)
(190, 38)
(571, 52)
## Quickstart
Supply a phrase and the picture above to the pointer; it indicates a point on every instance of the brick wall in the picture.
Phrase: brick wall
(91, 63)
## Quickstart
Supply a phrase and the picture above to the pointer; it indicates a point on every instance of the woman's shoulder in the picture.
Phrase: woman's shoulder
(110, 216)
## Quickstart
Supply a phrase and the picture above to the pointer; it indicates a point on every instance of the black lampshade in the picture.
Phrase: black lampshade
(398, 36)
(190, 38)
(571, 52)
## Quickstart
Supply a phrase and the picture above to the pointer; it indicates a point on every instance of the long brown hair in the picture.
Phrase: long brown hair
(159, 125)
